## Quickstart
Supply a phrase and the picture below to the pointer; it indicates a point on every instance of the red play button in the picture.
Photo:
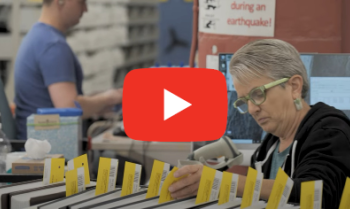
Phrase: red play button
(175, 104)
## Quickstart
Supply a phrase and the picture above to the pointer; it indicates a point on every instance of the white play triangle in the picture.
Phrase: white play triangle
(173, 104)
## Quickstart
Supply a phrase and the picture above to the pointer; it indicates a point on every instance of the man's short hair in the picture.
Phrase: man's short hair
(47, 2)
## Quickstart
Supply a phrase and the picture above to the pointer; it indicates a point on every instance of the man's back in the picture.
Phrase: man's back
(44, 58)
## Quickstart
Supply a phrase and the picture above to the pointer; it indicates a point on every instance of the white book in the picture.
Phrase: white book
(63, 202)
(43, 195)
(237, 204)
(288, 206)
(120, 201)
(36, 206)
(233, 204)
(144, 204)
(258, 205)
(6, 190)
(184, 203)
(95, 200)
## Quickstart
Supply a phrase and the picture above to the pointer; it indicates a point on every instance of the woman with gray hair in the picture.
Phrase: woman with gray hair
(308, 142)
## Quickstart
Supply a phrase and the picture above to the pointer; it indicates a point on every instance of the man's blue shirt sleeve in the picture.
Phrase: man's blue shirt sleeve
(57, 64)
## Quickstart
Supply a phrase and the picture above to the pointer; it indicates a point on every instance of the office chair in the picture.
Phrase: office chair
(7, 120)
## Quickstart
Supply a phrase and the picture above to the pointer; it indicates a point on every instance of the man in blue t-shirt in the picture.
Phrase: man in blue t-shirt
(47, 73)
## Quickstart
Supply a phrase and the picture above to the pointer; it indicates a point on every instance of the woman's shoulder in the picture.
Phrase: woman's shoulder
(331, 121)
(328, 127)
(324, 116)
(323, 121)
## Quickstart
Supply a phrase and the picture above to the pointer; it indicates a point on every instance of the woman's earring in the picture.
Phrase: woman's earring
(298, 104)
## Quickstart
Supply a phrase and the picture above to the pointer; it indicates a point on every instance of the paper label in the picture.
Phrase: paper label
(46, 122)
(280, 191)
(237, 17)
(166, 170)
(70, 165)
(113, 171)
(160, 171)
(47, 172)
(252, 188)
(345, 198)
(212, 62)
(311, 195)
(228, 188)
(53, 170)
(107, 175)
(209, 185)
(169, 180)
(78, 162)
(131, 180)
(81, 179)
(75, 181)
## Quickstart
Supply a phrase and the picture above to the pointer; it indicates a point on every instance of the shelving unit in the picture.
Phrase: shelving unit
(6, 43)
(134, 28)
(114, 37)
(9, 43)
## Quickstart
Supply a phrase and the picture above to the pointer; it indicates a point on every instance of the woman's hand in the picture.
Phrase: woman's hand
(187, 186)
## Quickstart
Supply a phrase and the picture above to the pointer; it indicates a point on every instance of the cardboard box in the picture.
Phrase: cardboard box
(30, 166)
(64, 133)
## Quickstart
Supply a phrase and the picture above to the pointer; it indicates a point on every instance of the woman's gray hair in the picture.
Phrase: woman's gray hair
(273, 58)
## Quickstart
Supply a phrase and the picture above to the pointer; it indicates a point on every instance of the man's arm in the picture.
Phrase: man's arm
(63, 95)
(57, 67)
